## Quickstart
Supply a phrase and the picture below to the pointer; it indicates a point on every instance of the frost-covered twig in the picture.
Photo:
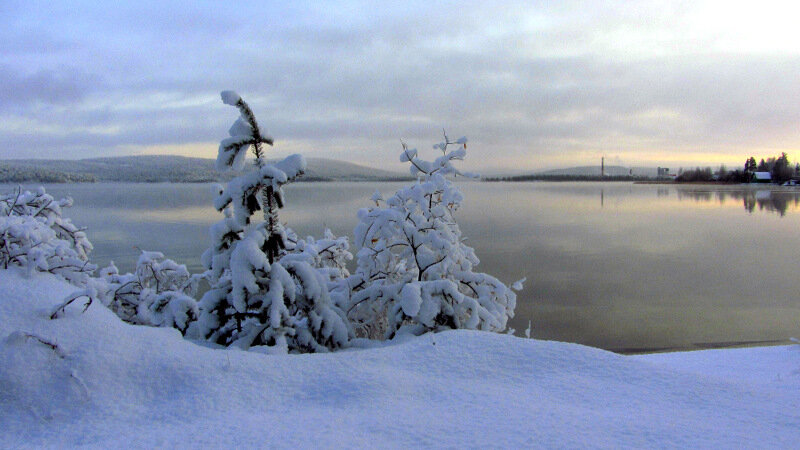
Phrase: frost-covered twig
(61, 308)
(20, 336)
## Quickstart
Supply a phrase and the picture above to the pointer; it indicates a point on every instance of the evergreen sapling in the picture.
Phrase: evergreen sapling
(261, 294)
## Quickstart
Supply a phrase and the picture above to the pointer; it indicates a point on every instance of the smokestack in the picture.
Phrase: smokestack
(602, 167)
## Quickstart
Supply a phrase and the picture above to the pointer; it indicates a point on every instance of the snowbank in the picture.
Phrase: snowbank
(110, 384)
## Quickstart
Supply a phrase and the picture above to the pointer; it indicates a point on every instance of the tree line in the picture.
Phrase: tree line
(566, 177)
(16, 174)
(780, 169)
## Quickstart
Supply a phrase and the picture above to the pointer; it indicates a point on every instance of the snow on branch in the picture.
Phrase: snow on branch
(19, 337)
(244, 133)
(159, 293)
(415, 274)
(61, 309)
(35, 235)
(441, 165)
(267, 288)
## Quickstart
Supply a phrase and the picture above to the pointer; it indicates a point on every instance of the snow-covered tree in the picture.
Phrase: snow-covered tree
(329, 254)
(159, 293)
(260, 293)
(415, 274)
(35, 235)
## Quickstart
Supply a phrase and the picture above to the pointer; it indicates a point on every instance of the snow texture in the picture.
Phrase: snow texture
(91, 380)
(230, 97)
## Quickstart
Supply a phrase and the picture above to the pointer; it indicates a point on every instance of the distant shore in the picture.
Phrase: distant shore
(594, 178)
(716, 184)
(700, 346)
(169, 168)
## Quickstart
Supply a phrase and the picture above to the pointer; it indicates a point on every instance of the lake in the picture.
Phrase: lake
(620, 266)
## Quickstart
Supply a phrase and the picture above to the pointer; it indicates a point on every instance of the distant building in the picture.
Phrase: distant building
(663, 172)
(761, 177)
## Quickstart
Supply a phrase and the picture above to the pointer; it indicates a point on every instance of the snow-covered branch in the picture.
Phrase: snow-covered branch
(35, 235)
(415, 274)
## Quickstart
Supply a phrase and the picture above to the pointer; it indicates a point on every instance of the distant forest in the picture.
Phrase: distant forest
(17, 174)
(546, 177)
(166, 168)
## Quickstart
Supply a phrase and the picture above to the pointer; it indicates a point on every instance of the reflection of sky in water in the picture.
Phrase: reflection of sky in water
(634, 266)
(613, 265)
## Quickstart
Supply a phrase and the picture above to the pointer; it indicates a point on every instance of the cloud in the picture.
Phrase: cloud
(43, 86)
(529, 83)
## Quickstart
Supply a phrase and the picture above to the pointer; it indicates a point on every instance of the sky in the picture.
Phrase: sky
(533, 85)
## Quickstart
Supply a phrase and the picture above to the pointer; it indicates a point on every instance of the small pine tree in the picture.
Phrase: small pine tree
(260, 293)
(750, 166)
(415, 274)
(782, 170)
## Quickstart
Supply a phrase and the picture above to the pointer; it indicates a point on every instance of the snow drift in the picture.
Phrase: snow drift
(89, 379)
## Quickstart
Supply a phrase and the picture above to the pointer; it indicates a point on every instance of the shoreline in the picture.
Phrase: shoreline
(731, 186)
(700, 346)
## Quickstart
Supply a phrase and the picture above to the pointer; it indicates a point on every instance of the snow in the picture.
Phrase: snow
(413, 246)
(232, 153)
(36, 236)
(89, 379)
(230, 97)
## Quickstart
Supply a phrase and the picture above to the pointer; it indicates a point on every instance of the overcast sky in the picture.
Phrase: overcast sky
(532, 84)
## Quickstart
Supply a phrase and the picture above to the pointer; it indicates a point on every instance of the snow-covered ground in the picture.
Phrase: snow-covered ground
(110, 384)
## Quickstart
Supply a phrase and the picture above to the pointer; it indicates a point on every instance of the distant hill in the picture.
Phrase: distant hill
(584, 173)
(610, 171)
(162, 168)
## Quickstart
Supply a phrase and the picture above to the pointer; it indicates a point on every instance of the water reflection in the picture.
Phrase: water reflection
(611, 265)
(623, 267)
(768, 200)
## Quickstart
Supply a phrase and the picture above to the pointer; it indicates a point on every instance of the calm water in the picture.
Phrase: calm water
(612, 265)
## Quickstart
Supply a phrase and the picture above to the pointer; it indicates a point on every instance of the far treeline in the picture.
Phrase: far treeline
(167, 168)
(13, 174)
(780, 169)
(569, 177)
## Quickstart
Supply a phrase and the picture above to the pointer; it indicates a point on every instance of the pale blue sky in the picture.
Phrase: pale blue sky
(532, 84)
